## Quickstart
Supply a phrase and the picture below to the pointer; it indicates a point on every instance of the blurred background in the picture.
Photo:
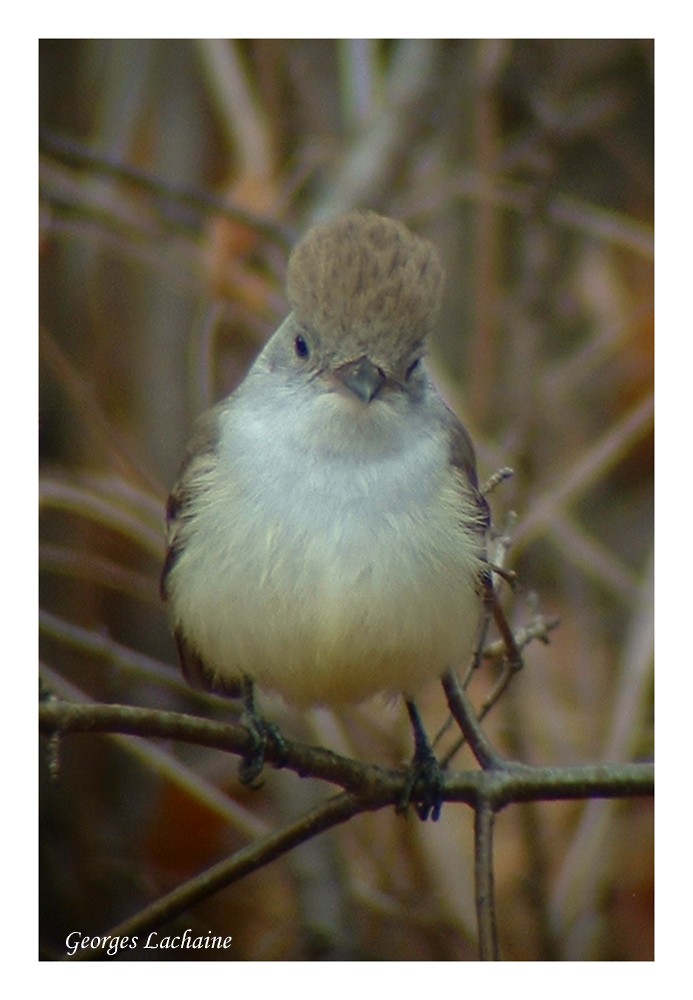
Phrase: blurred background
(174, 177)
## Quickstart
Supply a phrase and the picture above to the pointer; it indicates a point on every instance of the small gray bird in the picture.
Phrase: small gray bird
(326, 537)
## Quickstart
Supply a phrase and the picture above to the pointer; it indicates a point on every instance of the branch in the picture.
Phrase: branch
(366, 787)
(79, 155)
(592, 465)
(484, 818)
(465, 717)
(331, 813)
(495, 766)
(81, 393)
(374, 786)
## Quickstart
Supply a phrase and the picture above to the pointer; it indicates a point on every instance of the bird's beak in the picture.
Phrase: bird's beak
(362, 377)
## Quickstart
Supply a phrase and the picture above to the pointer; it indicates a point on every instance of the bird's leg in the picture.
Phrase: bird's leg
(424, 770)
(261, 732)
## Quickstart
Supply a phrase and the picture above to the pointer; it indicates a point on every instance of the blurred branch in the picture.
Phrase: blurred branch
(92, 416)
(594, 559)
(105, 572)
(112, 514)
(241, 118)
(99, 644)
(568, 374)
(595, 462)
(157, 759)
(257, 854)
(73, 220)
(490, 56)
(603, 224)
(203, 355)
(635, 671)
(360, 80)
(81, 156)
(595, 221)
(577, 888)
(369, 162)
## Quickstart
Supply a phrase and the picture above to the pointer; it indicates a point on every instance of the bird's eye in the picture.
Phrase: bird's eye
(301, 347)
(412, 367)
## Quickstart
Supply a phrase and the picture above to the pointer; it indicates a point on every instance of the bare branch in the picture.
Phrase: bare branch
(368, 788)
(464, 715)
(81, 156)
(375, 786)
(333, 812)
(94, 420)
(601, 457)
(484, 818)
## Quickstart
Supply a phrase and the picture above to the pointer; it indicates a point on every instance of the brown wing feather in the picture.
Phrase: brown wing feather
(198, 674)
(463, 457)
(201, 452)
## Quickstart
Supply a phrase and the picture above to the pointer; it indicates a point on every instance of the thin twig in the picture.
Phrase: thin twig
(498, 477)
(484, 817)
(538, 629)
(257, 854)
(463, 713)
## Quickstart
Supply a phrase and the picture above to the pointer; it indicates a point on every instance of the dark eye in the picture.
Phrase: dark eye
(301, 347)
(412, 367)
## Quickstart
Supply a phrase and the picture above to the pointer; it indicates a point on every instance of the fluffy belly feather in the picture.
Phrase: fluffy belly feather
(331, 606)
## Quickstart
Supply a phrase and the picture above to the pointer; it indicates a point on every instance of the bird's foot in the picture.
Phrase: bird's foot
(424, 785)
(263, 734)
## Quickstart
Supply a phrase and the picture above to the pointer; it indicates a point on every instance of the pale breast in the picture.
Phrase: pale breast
(330, 576)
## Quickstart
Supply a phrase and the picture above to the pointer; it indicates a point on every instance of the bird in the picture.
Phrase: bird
(326, 536)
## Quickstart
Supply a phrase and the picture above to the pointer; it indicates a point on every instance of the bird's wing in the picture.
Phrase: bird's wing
(200, 454)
